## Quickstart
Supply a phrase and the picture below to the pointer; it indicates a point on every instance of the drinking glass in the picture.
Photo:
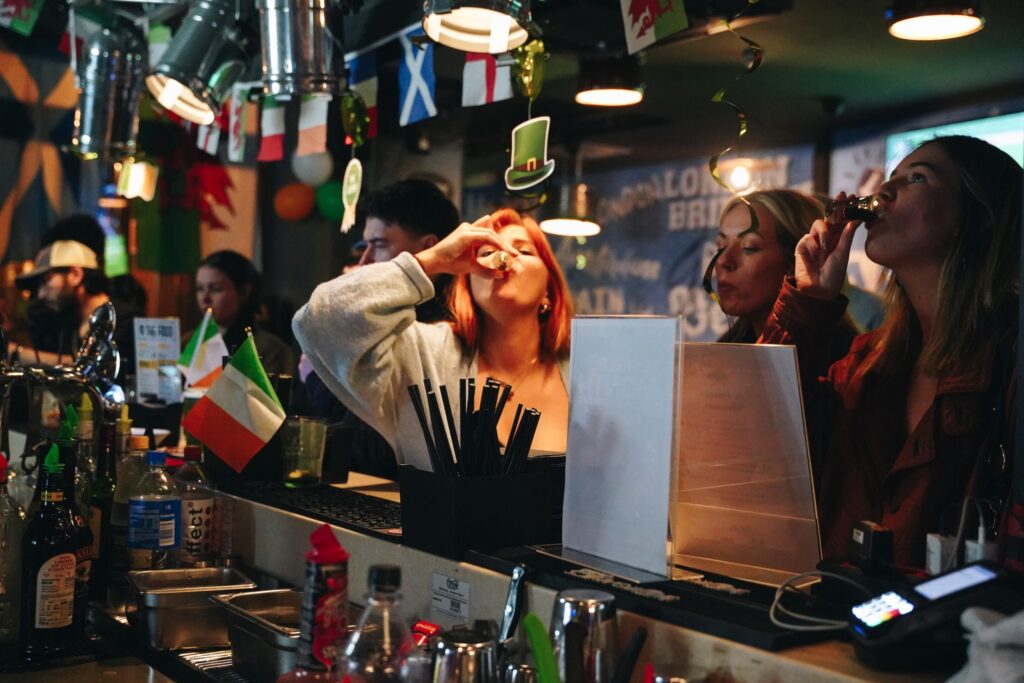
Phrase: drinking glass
(302, 449)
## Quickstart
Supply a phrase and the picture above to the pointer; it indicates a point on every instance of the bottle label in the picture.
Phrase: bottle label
(83, 567)
(197, 525)
(52, 496)
(324, 616)
(55, 591)
(154, 524)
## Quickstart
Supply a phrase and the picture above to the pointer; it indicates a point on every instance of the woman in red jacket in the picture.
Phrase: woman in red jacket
(918, 418)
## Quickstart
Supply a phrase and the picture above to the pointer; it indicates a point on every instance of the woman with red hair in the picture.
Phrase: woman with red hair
(511, 312)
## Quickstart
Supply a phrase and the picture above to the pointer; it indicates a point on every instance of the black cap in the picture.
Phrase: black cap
(385, 577)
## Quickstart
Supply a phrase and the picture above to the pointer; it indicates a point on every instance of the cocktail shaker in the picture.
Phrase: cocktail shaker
(591, 638)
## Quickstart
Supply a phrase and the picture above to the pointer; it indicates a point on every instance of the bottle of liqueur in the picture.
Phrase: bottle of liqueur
(101, 496)
(48, 569)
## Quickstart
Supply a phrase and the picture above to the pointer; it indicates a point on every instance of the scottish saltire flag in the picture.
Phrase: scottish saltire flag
(415, 80)
(362, 77)
(484, 80)
(201, 360)
(312, 125)
(648, 21)
(271, 130)
(240, 412)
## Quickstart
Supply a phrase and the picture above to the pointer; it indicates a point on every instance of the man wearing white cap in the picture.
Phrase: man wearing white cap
(68, 285)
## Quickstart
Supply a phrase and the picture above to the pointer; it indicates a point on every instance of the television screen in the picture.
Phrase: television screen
(1005, 132)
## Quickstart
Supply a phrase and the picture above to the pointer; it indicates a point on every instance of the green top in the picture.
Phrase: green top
(52, 462)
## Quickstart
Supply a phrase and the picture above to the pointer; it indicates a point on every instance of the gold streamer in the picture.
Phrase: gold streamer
(719, 98)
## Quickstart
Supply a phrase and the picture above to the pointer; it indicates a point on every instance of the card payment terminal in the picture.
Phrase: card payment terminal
(905, 627)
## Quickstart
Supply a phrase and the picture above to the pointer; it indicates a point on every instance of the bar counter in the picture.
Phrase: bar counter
(274, 541)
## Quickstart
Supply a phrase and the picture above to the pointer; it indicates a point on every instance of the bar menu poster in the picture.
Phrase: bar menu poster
(157, 349)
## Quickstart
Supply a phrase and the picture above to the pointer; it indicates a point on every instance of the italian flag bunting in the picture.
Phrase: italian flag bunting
(201, 360)
(240, 413)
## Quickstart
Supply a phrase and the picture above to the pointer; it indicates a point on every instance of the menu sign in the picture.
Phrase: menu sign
(157, 348)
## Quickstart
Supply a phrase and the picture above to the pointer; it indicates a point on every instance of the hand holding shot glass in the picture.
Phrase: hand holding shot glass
(474, 249)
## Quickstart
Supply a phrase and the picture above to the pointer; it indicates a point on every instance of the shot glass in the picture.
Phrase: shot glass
(302, 450)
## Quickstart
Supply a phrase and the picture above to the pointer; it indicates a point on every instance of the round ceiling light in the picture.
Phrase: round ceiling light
(934, 20)
(610, 81)
(485, 26)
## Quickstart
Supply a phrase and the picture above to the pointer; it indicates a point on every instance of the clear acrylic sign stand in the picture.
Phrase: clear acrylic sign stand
(622, 444)
(687, 456)
(745, 503)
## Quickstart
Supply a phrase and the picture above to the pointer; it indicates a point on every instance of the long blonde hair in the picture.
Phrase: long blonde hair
(980, 276)
(792, 211)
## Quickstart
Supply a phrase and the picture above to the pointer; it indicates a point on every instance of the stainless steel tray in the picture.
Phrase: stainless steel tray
(264, 631)
(171, 608)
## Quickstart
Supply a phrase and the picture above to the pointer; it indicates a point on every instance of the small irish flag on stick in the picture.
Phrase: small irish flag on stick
(201, 360)
(240, 413)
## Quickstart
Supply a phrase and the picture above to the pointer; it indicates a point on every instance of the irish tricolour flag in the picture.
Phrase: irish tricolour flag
(240, 413)
(201, 360)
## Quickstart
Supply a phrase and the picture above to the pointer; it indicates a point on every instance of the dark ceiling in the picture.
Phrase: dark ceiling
(815, 51)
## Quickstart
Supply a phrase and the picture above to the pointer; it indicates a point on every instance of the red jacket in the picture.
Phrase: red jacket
(866, 466)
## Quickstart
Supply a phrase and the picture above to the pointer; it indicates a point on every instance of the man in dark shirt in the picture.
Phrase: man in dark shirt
(410, 215)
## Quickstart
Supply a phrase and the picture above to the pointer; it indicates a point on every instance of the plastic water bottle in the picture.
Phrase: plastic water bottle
(197, 506)
(378, 649)
(154, 517)
(119, 560)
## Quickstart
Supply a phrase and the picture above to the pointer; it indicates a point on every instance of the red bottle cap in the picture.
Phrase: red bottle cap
(326, 548)
(193, 452)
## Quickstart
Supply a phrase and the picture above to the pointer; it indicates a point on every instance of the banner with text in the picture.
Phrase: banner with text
(658, 226)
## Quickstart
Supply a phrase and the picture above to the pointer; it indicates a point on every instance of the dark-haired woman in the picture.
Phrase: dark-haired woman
(919, 415)
(229, 284)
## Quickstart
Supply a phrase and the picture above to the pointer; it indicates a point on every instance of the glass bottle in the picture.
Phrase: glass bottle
(324, 617)
(68, 451)
(85, 467)
(377, 650)
(197, 505)
(130, 469)
(154, 517)
(12, 529)
(867, 208)
(48, 569)
(101, 497)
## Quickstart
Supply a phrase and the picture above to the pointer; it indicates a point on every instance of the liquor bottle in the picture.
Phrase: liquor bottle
(130, 469)
(85, 467)
(197, 505)
(12, 529)
(69, 453)
(48, 569)
(377, 650)
(154, 517)
(324, 617)
(101, 496)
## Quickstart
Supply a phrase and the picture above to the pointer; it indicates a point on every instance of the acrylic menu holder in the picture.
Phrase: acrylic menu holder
(745, 503)
(622, 444)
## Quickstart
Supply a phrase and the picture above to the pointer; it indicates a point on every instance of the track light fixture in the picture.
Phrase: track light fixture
(934, 19)
(609, 81)
(488, 26)
(203, 60)
(296, 47)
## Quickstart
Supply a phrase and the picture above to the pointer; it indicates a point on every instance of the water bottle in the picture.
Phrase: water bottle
(154, 516)
(197, 506)
(119, 561)
(378, 649)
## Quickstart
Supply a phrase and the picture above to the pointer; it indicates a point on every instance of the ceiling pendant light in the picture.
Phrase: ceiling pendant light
(296, 48)
(488, 26)
(575, 210)
(108, 76)
(610, 81)
(203, 60)
(934, 19)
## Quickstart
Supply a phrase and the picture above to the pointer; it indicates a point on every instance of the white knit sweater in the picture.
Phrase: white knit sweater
(360, 333)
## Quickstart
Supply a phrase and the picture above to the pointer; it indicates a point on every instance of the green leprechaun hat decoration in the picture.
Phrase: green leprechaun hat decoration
(530, 163)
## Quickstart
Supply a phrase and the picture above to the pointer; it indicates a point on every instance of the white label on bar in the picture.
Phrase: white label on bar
(450, 596)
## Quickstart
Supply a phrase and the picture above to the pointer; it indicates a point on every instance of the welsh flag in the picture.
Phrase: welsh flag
(201, 360)
(240, 413)
(648, 21)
